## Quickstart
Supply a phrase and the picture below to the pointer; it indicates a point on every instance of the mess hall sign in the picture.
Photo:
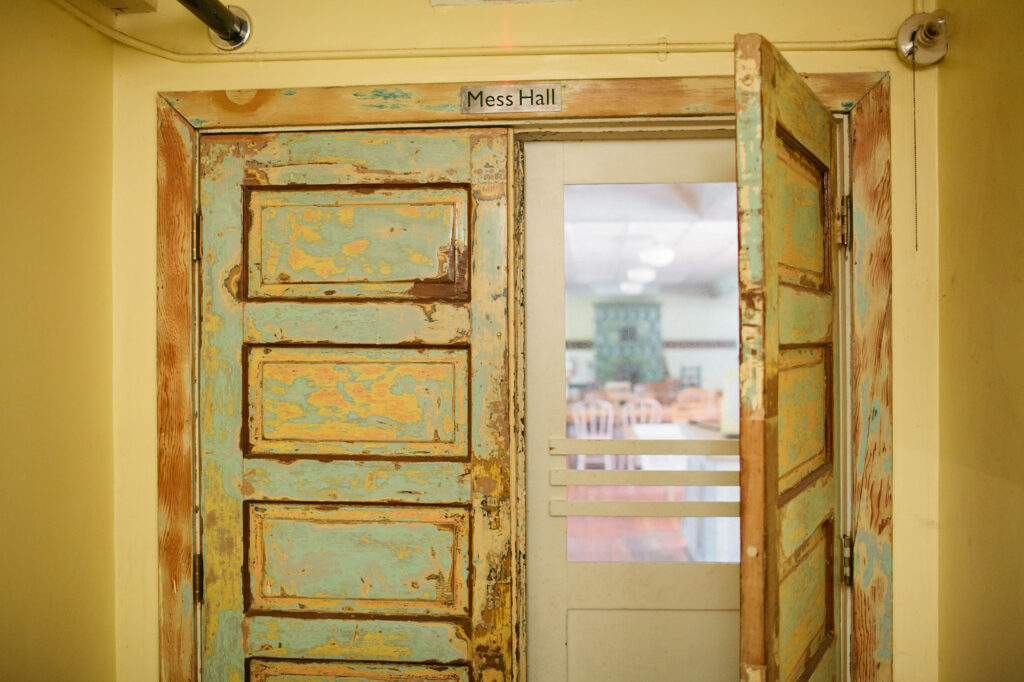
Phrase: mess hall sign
(500, 99)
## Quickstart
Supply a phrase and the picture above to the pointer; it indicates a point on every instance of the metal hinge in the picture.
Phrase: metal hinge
(197, 230)
(847, 560)
(198, 576)
(845, 220)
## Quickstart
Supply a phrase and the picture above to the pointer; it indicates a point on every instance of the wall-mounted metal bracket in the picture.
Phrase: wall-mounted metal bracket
(922, 38)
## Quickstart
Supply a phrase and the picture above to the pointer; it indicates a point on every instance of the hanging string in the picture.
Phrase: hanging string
(913, 77)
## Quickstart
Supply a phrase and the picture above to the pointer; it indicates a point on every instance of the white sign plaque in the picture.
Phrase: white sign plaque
(501, 99)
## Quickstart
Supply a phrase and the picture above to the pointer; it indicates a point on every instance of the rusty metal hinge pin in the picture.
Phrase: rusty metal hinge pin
(197, 229)
(847, 560)
(198, 576)
(845, 220)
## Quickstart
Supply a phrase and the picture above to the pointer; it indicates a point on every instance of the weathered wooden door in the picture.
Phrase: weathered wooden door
(788, 481)
(354, 406)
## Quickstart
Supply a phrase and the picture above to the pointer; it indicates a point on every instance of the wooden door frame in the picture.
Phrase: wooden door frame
(183, 116)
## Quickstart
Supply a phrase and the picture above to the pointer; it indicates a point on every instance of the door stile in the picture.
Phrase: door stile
(517, 406)
(754, 360)
(491, 504)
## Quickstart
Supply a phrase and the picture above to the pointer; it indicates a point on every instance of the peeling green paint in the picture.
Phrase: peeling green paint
(300, 447)
(384, 93)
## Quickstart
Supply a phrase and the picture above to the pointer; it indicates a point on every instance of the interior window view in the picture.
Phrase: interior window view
(651, 353)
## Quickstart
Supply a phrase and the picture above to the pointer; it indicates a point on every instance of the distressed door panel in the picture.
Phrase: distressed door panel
(357, 401)
(349, 242)
(353, 406)
(785, 162)
(342, 559)
(333, 671)
(804, 443)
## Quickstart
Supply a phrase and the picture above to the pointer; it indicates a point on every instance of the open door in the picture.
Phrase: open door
(789, 582)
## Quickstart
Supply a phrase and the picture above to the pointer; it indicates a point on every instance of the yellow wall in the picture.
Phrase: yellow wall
(981, 151)
(56, 488)
(404, 23)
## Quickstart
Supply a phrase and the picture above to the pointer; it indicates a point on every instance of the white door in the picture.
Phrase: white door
(632, 411)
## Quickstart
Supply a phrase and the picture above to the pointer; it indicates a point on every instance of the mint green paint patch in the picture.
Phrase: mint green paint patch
(801, 608)
(383, 93)
(359, 640)
(318, 557)
(873, 556)
(804, 514)
(337, 236)
(288, 93)
(358, 481)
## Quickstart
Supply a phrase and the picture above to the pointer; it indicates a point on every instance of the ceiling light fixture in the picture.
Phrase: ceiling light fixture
(643, 275)
(657, 256)
(631, 288)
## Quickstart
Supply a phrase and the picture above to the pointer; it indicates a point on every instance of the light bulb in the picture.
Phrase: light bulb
(657, 256)
(642, 275)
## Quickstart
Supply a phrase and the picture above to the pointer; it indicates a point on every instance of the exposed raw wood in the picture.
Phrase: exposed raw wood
(439, 103)
(175, 160)
(872, 388)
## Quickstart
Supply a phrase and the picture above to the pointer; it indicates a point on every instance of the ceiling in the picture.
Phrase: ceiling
(607, 227)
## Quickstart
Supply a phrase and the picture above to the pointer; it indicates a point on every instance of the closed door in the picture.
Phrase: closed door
(631, 297)
(353, 417)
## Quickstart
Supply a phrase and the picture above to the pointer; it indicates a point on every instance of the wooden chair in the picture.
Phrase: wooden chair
(640, 411)
(593, 418)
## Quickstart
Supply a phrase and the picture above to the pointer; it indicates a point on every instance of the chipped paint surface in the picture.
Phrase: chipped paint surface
(343, 243)
(355, 445)
(808, 316)
(804, 384)
(359, 640)
(330, 671)
(362, 323)
(338, 559)
(788, 496)
(799, 196)
(357, 481)
(331, 401)
(804, 605)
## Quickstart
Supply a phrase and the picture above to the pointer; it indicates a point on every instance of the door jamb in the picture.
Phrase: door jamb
(645, 103)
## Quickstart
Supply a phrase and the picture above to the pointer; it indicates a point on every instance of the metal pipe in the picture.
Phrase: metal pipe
(229, 26)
